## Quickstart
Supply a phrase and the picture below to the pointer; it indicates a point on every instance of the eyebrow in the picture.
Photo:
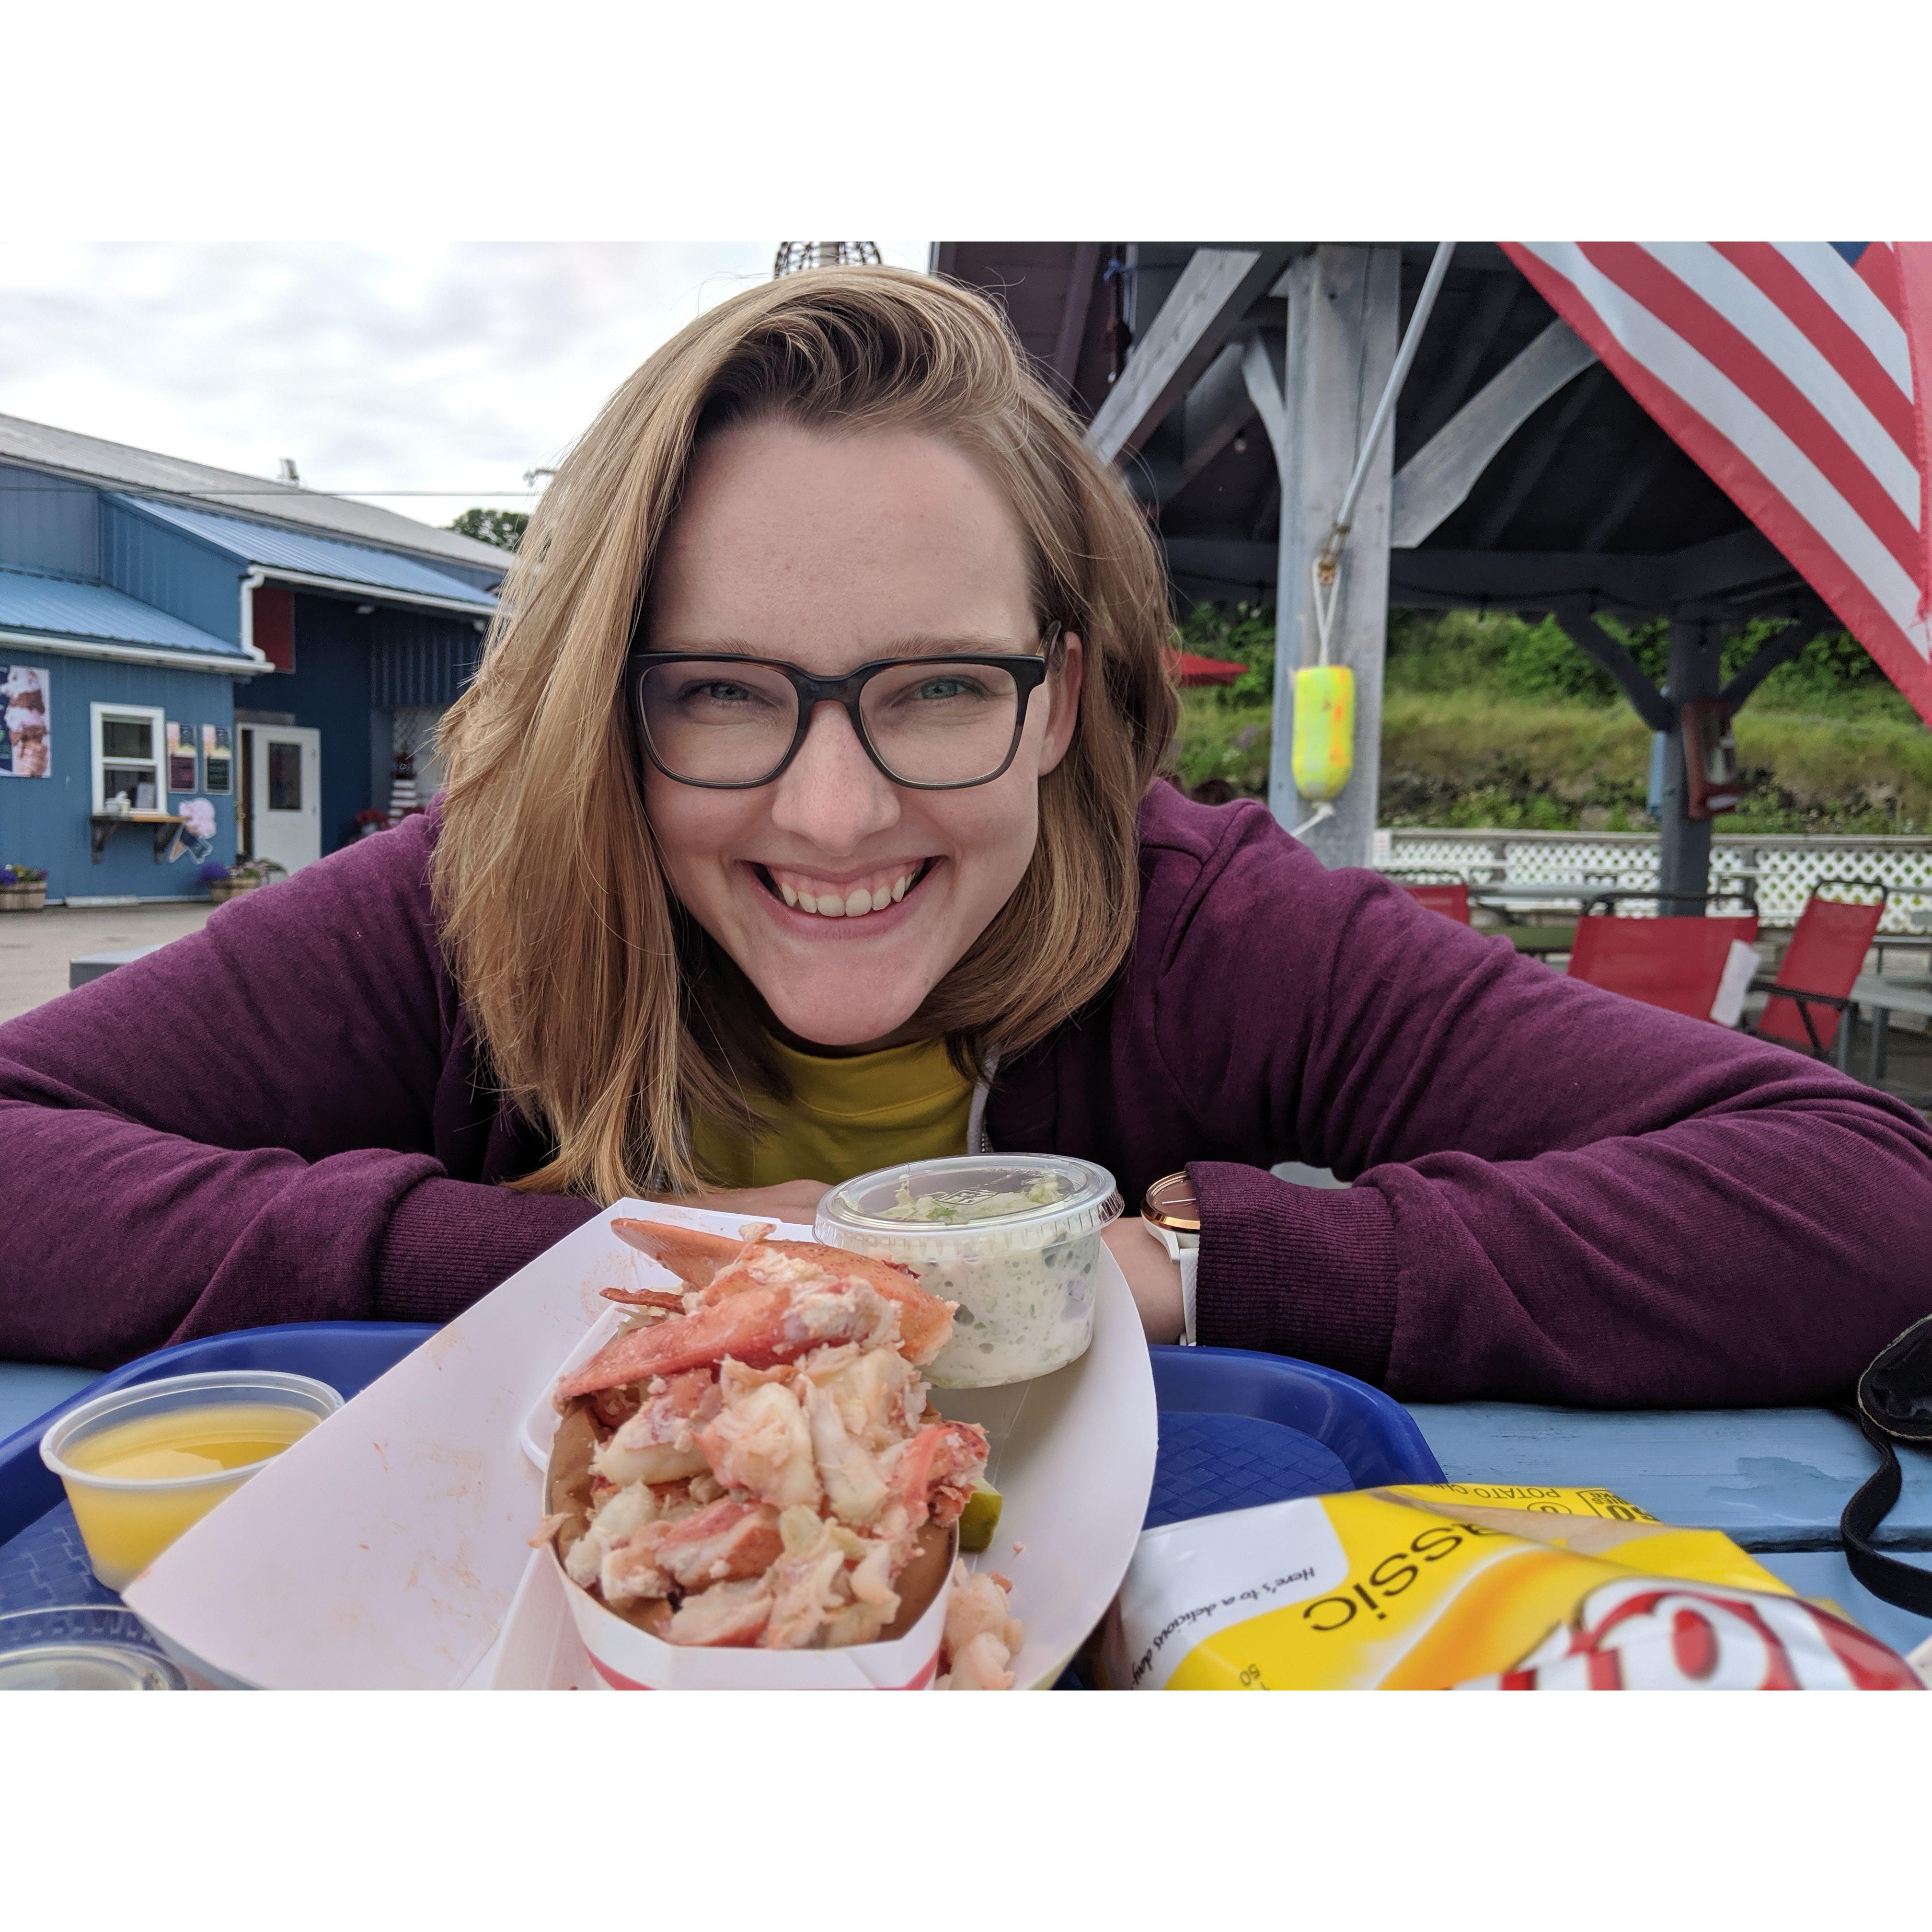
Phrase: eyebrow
(921, 645)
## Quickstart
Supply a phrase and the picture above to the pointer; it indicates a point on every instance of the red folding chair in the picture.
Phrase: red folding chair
(1677, 963)
(1453, 901)
(1813, 986)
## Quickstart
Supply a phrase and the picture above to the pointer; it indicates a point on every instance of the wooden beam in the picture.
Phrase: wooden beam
(1215, 289)
(1636, 479)
(1066, 362)
(1722, 575)
(1472, 342)
(1226, 557)
(1581, 629)
(1217, 409)
(1438, 479)
(1534, 461)
(1531, 579)
(1260, 371)
(1774, 652)
(1746, 560)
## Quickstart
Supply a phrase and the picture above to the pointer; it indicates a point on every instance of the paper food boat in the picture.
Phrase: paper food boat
(389, 1549)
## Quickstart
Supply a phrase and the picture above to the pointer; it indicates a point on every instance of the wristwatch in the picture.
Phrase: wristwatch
(1172, 1214)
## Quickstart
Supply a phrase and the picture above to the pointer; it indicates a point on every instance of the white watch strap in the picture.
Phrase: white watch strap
(1190, 1259)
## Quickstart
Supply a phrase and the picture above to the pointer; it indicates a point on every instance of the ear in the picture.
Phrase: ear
(1063, 689)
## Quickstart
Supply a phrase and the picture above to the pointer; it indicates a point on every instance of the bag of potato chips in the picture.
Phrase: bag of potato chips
(1470, 1586)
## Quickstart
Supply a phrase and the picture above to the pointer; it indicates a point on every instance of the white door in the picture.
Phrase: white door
(285, 782)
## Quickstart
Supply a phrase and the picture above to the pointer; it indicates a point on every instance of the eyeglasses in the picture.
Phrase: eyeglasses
(932, 724)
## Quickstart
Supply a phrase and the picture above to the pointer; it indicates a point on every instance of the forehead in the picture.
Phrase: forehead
(789, 540)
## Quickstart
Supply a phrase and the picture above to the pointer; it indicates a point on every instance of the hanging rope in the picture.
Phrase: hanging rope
(1325, 572)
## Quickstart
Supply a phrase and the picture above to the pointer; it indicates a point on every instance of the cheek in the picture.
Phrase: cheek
(992, 831)
(692, 827)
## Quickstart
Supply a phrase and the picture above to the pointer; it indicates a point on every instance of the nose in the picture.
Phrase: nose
(831, 794)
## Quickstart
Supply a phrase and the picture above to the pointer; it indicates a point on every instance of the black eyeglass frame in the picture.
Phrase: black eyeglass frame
(1028, 669)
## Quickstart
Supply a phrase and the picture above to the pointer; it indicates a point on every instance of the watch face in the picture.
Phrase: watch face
(1170, 1203)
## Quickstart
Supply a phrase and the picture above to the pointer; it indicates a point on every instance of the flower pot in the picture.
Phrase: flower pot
(23, 898)
(221, 890)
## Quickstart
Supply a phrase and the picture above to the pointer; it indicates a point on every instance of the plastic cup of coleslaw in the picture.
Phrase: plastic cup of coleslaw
(1013, 1238)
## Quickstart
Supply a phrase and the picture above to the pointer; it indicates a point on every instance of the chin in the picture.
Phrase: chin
(843, 1026)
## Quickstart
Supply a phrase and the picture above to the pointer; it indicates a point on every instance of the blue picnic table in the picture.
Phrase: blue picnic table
(1774, 1480)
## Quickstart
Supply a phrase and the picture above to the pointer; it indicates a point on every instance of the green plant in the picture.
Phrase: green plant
(1243, 635)
(1220, 741)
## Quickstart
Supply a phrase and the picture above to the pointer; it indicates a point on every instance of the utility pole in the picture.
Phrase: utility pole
(1343, 304)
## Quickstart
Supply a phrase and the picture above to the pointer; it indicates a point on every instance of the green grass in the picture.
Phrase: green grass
(1490, 721)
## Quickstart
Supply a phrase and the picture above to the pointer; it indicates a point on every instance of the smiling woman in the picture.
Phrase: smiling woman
(891, 652)
(804, 817)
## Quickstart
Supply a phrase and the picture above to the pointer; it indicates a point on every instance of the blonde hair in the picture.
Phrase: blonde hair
(604, 1012)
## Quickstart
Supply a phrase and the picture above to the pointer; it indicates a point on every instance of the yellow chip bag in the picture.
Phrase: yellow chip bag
(1470, 1586)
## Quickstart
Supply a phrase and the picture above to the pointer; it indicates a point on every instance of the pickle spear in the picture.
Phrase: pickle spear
(979, 1519)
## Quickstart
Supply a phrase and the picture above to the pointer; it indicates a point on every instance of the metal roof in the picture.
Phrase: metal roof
(58, 608)
(91, 460)
(274, 548)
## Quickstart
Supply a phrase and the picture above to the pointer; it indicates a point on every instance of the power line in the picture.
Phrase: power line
(281, 490)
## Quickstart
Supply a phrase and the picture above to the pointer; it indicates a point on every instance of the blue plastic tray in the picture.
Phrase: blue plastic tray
(42, 1562)
(1236, 1430)
(1239, 1429)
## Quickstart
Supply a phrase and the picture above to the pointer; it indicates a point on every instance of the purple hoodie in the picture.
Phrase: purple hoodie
(1557, 1195)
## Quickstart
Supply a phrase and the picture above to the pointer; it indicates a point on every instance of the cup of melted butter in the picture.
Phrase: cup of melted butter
(142, 1464)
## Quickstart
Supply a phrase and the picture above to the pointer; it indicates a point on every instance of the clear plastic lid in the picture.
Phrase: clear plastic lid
(975, 1205)
(82, 1647)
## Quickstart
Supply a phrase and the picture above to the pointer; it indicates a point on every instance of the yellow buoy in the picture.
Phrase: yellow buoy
(1325, 730)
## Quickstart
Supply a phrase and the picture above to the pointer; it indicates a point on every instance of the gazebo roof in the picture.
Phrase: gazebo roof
(1586, 494)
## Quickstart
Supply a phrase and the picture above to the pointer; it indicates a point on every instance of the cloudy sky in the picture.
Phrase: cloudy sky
(449, 367)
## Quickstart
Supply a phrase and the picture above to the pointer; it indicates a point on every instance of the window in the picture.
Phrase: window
(127, 756)
(284, 775)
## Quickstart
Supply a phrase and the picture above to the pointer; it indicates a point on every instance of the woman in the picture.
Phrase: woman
(804, 816)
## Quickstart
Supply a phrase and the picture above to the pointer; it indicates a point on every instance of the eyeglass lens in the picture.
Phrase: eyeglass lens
(724, 721)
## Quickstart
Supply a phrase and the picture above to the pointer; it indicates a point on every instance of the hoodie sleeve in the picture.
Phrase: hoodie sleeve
(237, 1130)
(1557, 1194)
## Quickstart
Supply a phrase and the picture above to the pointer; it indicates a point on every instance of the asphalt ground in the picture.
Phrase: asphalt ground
(36, 946)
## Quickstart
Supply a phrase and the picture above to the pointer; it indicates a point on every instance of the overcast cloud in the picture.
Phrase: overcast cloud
(450, 366)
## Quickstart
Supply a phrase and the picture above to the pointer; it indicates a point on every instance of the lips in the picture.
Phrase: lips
(844, 898)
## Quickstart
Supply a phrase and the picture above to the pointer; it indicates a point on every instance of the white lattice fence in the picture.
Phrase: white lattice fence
(1785, 868)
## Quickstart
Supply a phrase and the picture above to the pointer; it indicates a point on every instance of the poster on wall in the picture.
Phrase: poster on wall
(182, 766)
(26, 750)
(217, 758)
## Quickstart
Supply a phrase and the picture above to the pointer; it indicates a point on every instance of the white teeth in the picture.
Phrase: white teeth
(835, 904)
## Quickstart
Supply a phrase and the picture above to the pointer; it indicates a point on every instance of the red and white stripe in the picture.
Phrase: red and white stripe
(1798, 383)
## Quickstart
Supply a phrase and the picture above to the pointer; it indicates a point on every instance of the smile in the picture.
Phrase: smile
(850, 898)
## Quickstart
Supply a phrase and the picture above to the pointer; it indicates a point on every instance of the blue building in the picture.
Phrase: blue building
(179, 643)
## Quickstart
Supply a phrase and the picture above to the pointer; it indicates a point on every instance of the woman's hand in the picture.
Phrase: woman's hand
(790, 1201)
(1153, 1274)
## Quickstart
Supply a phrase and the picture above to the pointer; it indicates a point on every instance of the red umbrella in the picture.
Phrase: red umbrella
(1193, 671)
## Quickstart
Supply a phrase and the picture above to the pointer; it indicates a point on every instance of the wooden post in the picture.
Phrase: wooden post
(1684, 856)
(1343, 304)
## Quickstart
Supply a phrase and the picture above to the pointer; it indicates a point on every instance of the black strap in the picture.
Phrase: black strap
(1885, 1577)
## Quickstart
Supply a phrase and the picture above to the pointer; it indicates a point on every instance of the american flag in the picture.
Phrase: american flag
(1798, 376)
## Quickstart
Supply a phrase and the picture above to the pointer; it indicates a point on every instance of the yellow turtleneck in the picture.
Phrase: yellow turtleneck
(845, 1117)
